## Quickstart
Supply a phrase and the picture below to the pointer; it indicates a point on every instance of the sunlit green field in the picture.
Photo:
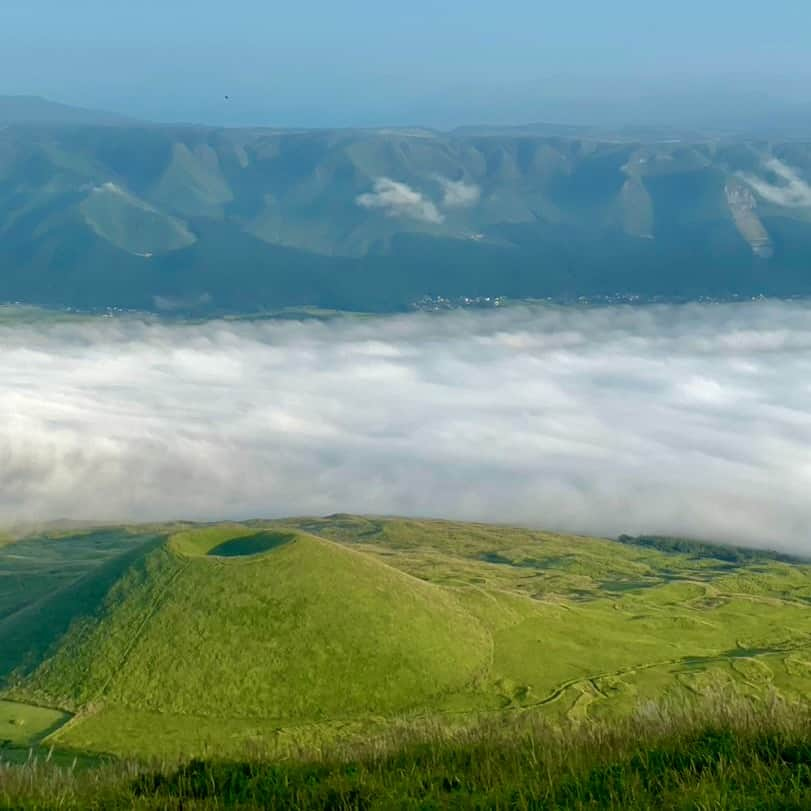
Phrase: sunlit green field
(279, 637)
(22, 725)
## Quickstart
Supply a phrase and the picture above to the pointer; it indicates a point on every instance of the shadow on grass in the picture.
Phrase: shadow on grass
(251, 545)
(765, 770)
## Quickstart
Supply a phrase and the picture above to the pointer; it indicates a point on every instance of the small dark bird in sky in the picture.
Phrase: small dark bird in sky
(227, 98)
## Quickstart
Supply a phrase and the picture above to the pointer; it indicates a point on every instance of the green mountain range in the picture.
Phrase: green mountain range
(97, 211)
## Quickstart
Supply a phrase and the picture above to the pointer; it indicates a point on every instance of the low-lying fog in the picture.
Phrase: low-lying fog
(692, 420)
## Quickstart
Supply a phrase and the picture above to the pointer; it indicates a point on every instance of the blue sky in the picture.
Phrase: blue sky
(315, 62)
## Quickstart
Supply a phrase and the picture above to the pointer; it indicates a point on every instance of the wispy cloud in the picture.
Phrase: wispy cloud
(400, 200)
(690, 420)
(792, 191)
(458, 193)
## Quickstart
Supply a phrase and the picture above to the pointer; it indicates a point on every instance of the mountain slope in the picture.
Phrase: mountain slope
(298, 629)
(135, 216)
(132, 225)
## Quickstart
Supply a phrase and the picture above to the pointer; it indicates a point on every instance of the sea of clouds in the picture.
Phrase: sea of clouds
(691, 420)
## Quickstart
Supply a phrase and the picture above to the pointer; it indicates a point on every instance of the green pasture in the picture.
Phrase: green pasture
(284, 636)
(23, 725)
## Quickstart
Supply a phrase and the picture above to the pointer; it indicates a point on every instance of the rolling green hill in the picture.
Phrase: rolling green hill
(206, 219)
(234, 624)
(178, 640)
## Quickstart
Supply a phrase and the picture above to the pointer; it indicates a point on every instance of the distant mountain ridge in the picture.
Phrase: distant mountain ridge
(193, 218)
(36, 110)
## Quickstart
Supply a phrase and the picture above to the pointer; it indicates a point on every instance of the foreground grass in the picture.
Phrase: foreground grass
(722, 756)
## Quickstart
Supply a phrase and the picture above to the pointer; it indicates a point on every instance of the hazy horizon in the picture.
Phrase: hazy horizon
(325, 66)
(769, 114)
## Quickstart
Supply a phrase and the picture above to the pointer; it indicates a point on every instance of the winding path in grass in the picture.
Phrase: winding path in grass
(592, 679)
(556, 694)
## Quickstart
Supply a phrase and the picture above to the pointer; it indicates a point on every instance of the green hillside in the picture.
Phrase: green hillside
(290, 634)
(132, 225)
(297, 630)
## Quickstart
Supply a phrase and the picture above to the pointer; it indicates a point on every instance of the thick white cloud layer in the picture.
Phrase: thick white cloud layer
(688, 420)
